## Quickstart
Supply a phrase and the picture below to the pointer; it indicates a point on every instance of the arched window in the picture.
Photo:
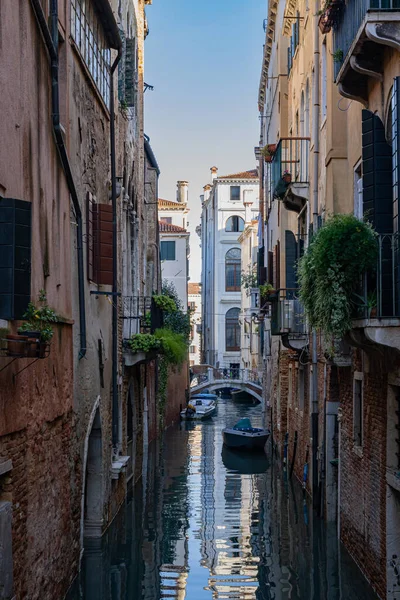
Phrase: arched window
(234, 223)
(232, 270)
(232, 330)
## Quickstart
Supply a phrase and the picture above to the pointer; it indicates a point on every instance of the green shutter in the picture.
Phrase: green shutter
(290, 258)
(377, 174)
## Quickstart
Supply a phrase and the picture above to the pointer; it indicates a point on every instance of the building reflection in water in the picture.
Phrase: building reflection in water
(209, 523)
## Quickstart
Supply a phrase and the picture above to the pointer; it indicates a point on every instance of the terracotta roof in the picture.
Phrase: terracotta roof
(194, 288)
(170, 204)
(169, 228)
(253, 174)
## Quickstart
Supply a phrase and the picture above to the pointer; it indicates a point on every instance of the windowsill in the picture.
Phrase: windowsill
(90, 78)
(358, 451)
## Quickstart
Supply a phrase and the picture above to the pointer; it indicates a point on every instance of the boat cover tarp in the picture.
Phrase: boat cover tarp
(243, 424)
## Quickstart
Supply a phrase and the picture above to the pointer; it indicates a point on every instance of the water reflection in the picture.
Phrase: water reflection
(209, 523)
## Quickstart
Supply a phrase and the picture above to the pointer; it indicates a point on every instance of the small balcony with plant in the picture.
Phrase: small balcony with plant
(141, 316)
(349, 282)
(361, 30)
(33, 337)
(288, 171)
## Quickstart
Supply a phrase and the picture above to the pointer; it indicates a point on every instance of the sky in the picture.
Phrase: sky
(203, 58)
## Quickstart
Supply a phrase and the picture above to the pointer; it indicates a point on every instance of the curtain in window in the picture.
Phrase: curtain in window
(232, 330)
(232, 270)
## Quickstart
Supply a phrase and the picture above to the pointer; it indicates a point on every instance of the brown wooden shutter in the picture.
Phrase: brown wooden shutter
(104, 244)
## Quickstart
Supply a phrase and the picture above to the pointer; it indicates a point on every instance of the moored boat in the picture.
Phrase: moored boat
(243, 435)
(198, 410)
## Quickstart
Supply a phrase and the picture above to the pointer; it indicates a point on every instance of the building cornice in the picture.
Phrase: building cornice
(269, 38)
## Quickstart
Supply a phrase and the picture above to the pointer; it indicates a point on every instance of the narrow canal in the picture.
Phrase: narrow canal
(208, 524)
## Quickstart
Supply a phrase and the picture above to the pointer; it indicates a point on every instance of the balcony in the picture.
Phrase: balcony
(362, 30)
(139, 315)
(289, 172)
(376, 312)
(288, 319)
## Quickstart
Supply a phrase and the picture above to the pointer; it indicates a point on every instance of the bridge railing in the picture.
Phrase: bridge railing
(228, 374)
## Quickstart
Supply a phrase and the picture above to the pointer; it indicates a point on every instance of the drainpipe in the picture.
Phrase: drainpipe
(314, 410)
(51, 41)
(115, 409)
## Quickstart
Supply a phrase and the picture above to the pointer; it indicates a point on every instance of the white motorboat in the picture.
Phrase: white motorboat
(198, 409)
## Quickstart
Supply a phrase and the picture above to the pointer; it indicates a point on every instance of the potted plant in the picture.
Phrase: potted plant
(268, 152)
(329, 15)
(267, 292)
(38, 328)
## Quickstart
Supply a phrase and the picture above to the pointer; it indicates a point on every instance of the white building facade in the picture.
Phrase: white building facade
(222, 222)
(250, 338)
(194, 297)
(174, 241)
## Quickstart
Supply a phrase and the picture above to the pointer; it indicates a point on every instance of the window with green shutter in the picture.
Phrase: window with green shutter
(168, 250)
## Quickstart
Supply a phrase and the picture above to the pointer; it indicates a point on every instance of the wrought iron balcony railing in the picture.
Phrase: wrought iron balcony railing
(379, 295)
(288, 165)
(140, 315)
(287, 314)
(352, 16)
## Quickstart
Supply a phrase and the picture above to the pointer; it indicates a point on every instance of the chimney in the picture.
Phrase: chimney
(182, 192)
(206, 190)
(214, 171)
(248, 203)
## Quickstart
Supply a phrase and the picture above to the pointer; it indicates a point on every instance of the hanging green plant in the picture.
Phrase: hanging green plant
(330, 270)
(165, 303)
(173, 346)
(144, 342)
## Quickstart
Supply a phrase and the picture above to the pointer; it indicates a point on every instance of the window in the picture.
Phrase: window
(166, 220)
(235, 192)
(192, 349)
(323, 80)
(358, 192)
(294, 40)
(394, 134)
(192, 306)
(232, 330)
(358, 410)
(232, 270)
(235, 224)
(167, 250)
(99, 241)
(88, 34)
(127, 72)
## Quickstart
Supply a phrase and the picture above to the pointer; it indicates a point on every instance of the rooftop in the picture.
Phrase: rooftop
(172, 204)
(253, 174)
(169, 228)
(194, 288)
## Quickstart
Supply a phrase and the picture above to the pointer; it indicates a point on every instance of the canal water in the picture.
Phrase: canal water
(206, 523)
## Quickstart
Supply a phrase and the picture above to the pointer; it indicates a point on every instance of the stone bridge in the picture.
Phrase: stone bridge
(216, 379)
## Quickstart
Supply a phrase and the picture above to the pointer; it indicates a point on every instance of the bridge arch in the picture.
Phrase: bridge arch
(252, 389)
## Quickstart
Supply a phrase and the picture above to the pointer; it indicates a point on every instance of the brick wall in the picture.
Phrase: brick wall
(178, 384)
(362, 476)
